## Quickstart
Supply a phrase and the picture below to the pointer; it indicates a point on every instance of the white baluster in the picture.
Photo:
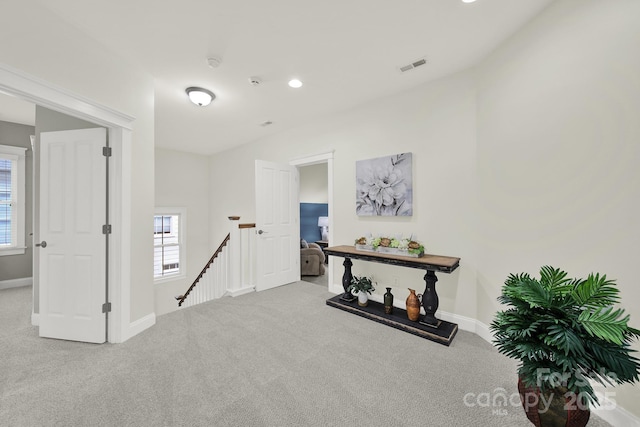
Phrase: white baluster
(243, 248)
(205, 285)
(235, 262)
(221, 285)
(251, 259)
(212, 279)
(218, 270)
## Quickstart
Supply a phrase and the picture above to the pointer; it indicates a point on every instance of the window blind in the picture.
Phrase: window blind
(167, 239)
(8, 194)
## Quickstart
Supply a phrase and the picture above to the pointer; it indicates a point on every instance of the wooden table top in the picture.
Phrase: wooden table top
(442, 263)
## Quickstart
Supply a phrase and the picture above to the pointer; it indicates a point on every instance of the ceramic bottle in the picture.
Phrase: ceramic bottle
(388, 302)
(413, 306)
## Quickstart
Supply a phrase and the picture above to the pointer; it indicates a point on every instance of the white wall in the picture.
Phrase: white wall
(314, 184)
(436, 122)
(45, 46)
(530, 159)
(558, 152)
(182, 180)
(14, 267)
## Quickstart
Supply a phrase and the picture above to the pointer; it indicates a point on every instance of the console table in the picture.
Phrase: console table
(428, 326)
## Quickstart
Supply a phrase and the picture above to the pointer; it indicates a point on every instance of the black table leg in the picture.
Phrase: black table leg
(430, 300)
(346, 280)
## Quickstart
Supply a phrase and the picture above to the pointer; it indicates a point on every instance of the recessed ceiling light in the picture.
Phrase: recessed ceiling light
(295, 83)
(468, 1)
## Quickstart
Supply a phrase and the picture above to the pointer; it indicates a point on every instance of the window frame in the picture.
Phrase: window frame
(17, 155)
(181, 212)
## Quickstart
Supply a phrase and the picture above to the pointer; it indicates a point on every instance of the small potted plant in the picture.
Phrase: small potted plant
(383, 245)
(362, 288)
(364, 244)
(564, 332)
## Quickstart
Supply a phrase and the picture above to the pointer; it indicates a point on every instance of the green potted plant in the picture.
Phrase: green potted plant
(362, 288)
(564, 332)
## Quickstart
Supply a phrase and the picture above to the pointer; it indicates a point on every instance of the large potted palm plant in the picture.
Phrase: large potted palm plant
(564, 332)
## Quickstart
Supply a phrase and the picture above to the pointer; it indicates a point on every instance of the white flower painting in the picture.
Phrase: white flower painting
(384, 186)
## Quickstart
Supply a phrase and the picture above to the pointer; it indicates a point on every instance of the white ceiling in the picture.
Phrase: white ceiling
(347, 53)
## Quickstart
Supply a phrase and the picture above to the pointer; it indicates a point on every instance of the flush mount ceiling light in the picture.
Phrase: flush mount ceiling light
(468, 1)
(200, 96)
(295, 83)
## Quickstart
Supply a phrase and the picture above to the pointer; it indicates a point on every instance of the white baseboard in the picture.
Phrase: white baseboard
(242, 291)
(614, 414)
(135, 328)
(16, 283)
(141, 325)
(336, 289)
(483, 332)
(464, 323)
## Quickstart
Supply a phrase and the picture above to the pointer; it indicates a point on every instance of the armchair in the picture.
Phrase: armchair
(311, 259)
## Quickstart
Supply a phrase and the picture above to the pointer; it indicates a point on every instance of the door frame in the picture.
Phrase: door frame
(314, 160)
(119, 128)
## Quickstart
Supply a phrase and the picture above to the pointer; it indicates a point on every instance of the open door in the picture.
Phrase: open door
(73, 205)
(277, 225)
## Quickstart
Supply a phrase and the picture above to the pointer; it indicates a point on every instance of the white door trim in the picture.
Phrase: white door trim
(328, 159)
(45, 94)
(33, 89)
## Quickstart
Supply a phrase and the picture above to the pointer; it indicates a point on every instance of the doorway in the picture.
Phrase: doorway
(318, 190)
(119, 129)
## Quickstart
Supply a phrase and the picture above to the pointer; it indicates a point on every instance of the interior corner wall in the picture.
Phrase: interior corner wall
(106, 78)
(182, 180)
(436, 122)
(19, 266)
(558, 153)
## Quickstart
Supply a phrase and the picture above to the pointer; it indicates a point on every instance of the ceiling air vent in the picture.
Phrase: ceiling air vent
(413, 65)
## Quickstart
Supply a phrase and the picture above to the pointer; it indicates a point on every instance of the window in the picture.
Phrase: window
(12, 200)
(162, 224)
(169, 243)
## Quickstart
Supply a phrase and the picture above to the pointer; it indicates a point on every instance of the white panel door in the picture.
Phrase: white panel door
(73, 210)
(277, 225)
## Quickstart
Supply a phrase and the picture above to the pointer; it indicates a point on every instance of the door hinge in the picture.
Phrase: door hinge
(106, 151)
(106, 307)
(106, 229)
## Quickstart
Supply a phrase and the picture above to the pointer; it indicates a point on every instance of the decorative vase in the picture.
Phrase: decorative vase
(363, 299)
(413, 306)
(552, 408)
(388, 302)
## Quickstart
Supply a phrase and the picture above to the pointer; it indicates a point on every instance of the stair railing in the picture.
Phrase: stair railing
(229, 271)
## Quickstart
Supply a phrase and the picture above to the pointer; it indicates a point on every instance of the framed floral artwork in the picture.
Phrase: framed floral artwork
(384, 186)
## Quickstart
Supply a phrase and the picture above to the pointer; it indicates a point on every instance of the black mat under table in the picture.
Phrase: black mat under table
(443, 334)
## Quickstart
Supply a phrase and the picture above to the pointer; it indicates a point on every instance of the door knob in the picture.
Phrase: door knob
(262, 231)
(43, 244)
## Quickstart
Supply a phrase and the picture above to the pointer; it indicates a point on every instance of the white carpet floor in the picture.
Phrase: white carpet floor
(276, 358)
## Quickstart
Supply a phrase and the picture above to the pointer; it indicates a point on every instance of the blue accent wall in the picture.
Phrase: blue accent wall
(309, 213)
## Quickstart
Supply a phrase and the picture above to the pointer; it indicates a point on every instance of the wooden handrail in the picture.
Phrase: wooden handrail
(248, 225)
(181, 298)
